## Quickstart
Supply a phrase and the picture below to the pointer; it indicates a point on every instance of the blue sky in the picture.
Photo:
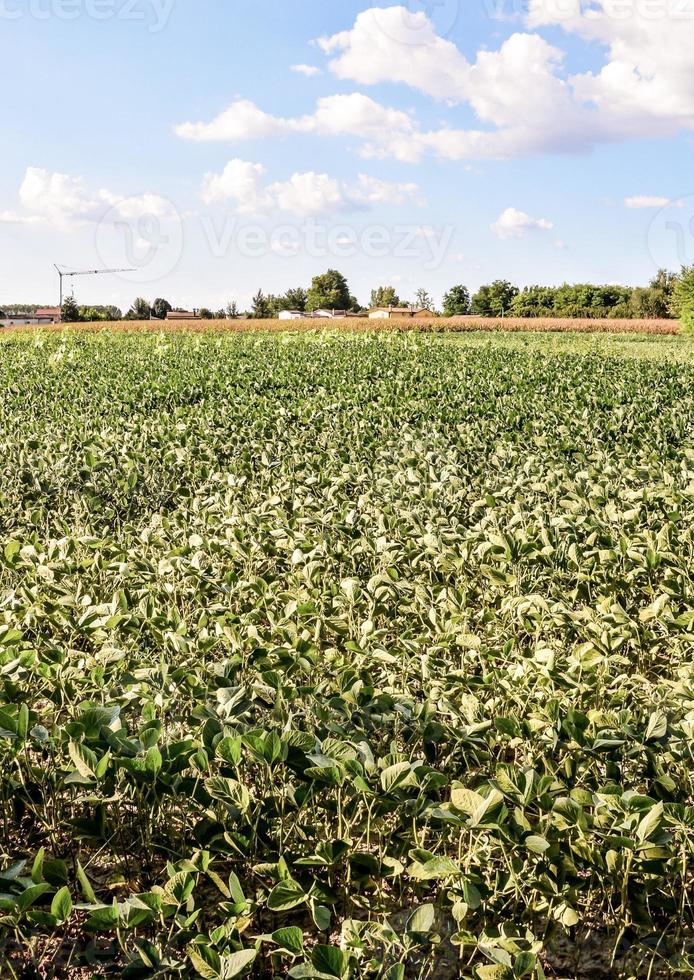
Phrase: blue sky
(540, 141)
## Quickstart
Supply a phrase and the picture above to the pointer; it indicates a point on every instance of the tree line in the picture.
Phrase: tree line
(667, 295)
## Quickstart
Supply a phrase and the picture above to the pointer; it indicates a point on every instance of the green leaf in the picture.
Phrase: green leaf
(538, 845)
(234, 964)
(395, 775)
(330, 960)
(650, 823)
(61, 906)
(286, 895)
(466, 800)
(290, 938)
(87, 890)
(422, 920)
(31, 895)
(84, 760)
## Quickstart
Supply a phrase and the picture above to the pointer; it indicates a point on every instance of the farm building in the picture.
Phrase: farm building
(182, 315)
(398, 312)
(315, 315)
(48, 314)
(19, 320)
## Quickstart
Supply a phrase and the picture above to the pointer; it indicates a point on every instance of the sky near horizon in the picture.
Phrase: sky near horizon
(221, 147)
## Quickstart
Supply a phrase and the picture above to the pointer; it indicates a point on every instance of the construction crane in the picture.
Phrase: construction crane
(62, 274)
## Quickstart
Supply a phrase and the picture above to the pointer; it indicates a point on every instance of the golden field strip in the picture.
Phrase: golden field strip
(365, 325)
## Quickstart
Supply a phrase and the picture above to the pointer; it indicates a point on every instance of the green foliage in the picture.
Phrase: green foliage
(140, 310)
(683, 298)
(341, 657)
(160, 307)
(329, 291)
(70, 312)
(495, 299)
(262, 309)
(385, 296)
(456, 302)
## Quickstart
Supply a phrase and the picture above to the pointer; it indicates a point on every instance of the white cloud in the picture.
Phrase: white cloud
(646, 86)
(13, 218)
(522, 91)
(310, 71)
(355, 114)
(513, 223)
(239, 182)
(61, 200)
(242, 184)
(646, 201)
(308, 194)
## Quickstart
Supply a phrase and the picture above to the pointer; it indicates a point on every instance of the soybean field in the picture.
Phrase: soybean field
(330, 656)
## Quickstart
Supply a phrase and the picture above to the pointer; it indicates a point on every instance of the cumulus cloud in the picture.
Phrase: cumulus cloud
(522, 92)
(513, 223)
(646, 201)
(310, 71)
(355, 114)
(62, 200)
(243, 185)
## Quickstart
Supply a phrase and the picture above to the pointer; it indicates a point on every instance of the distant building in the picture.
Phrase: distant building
(316, 315)
(48, 314)
(398, 313)
(19, 320)
(182, 315)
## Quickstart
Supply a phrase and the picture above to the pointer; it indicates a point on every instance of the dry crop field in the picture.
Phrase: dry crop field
(364, 325)
(346, 657)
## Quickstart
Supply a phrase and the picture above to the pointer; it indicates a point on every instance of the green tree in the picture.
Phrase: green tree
(261, 306)
(329, 291)
(683, 298)
(494, 299)
(385, 296)
(160, 307)
(206, 314)
(70, 312)
(140, 310)
(232, 310)
(456, 302)
(424, 300)
(295, 299)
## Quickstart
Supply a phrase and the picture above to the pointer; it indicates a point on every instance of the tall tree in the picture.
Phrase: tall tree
(295, 299)
(494, 299)
(232, 310)
(683, 298)
(160, 307)
(70, 312)
(384, 296)
(456, 302)
(329, 291)
(424, 300)
(140, 310)
(261, 306)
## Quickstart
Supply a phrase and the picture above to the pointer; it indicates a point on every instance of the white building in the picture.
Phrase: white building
(399, 313)
(19, 320)
(291, 315)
